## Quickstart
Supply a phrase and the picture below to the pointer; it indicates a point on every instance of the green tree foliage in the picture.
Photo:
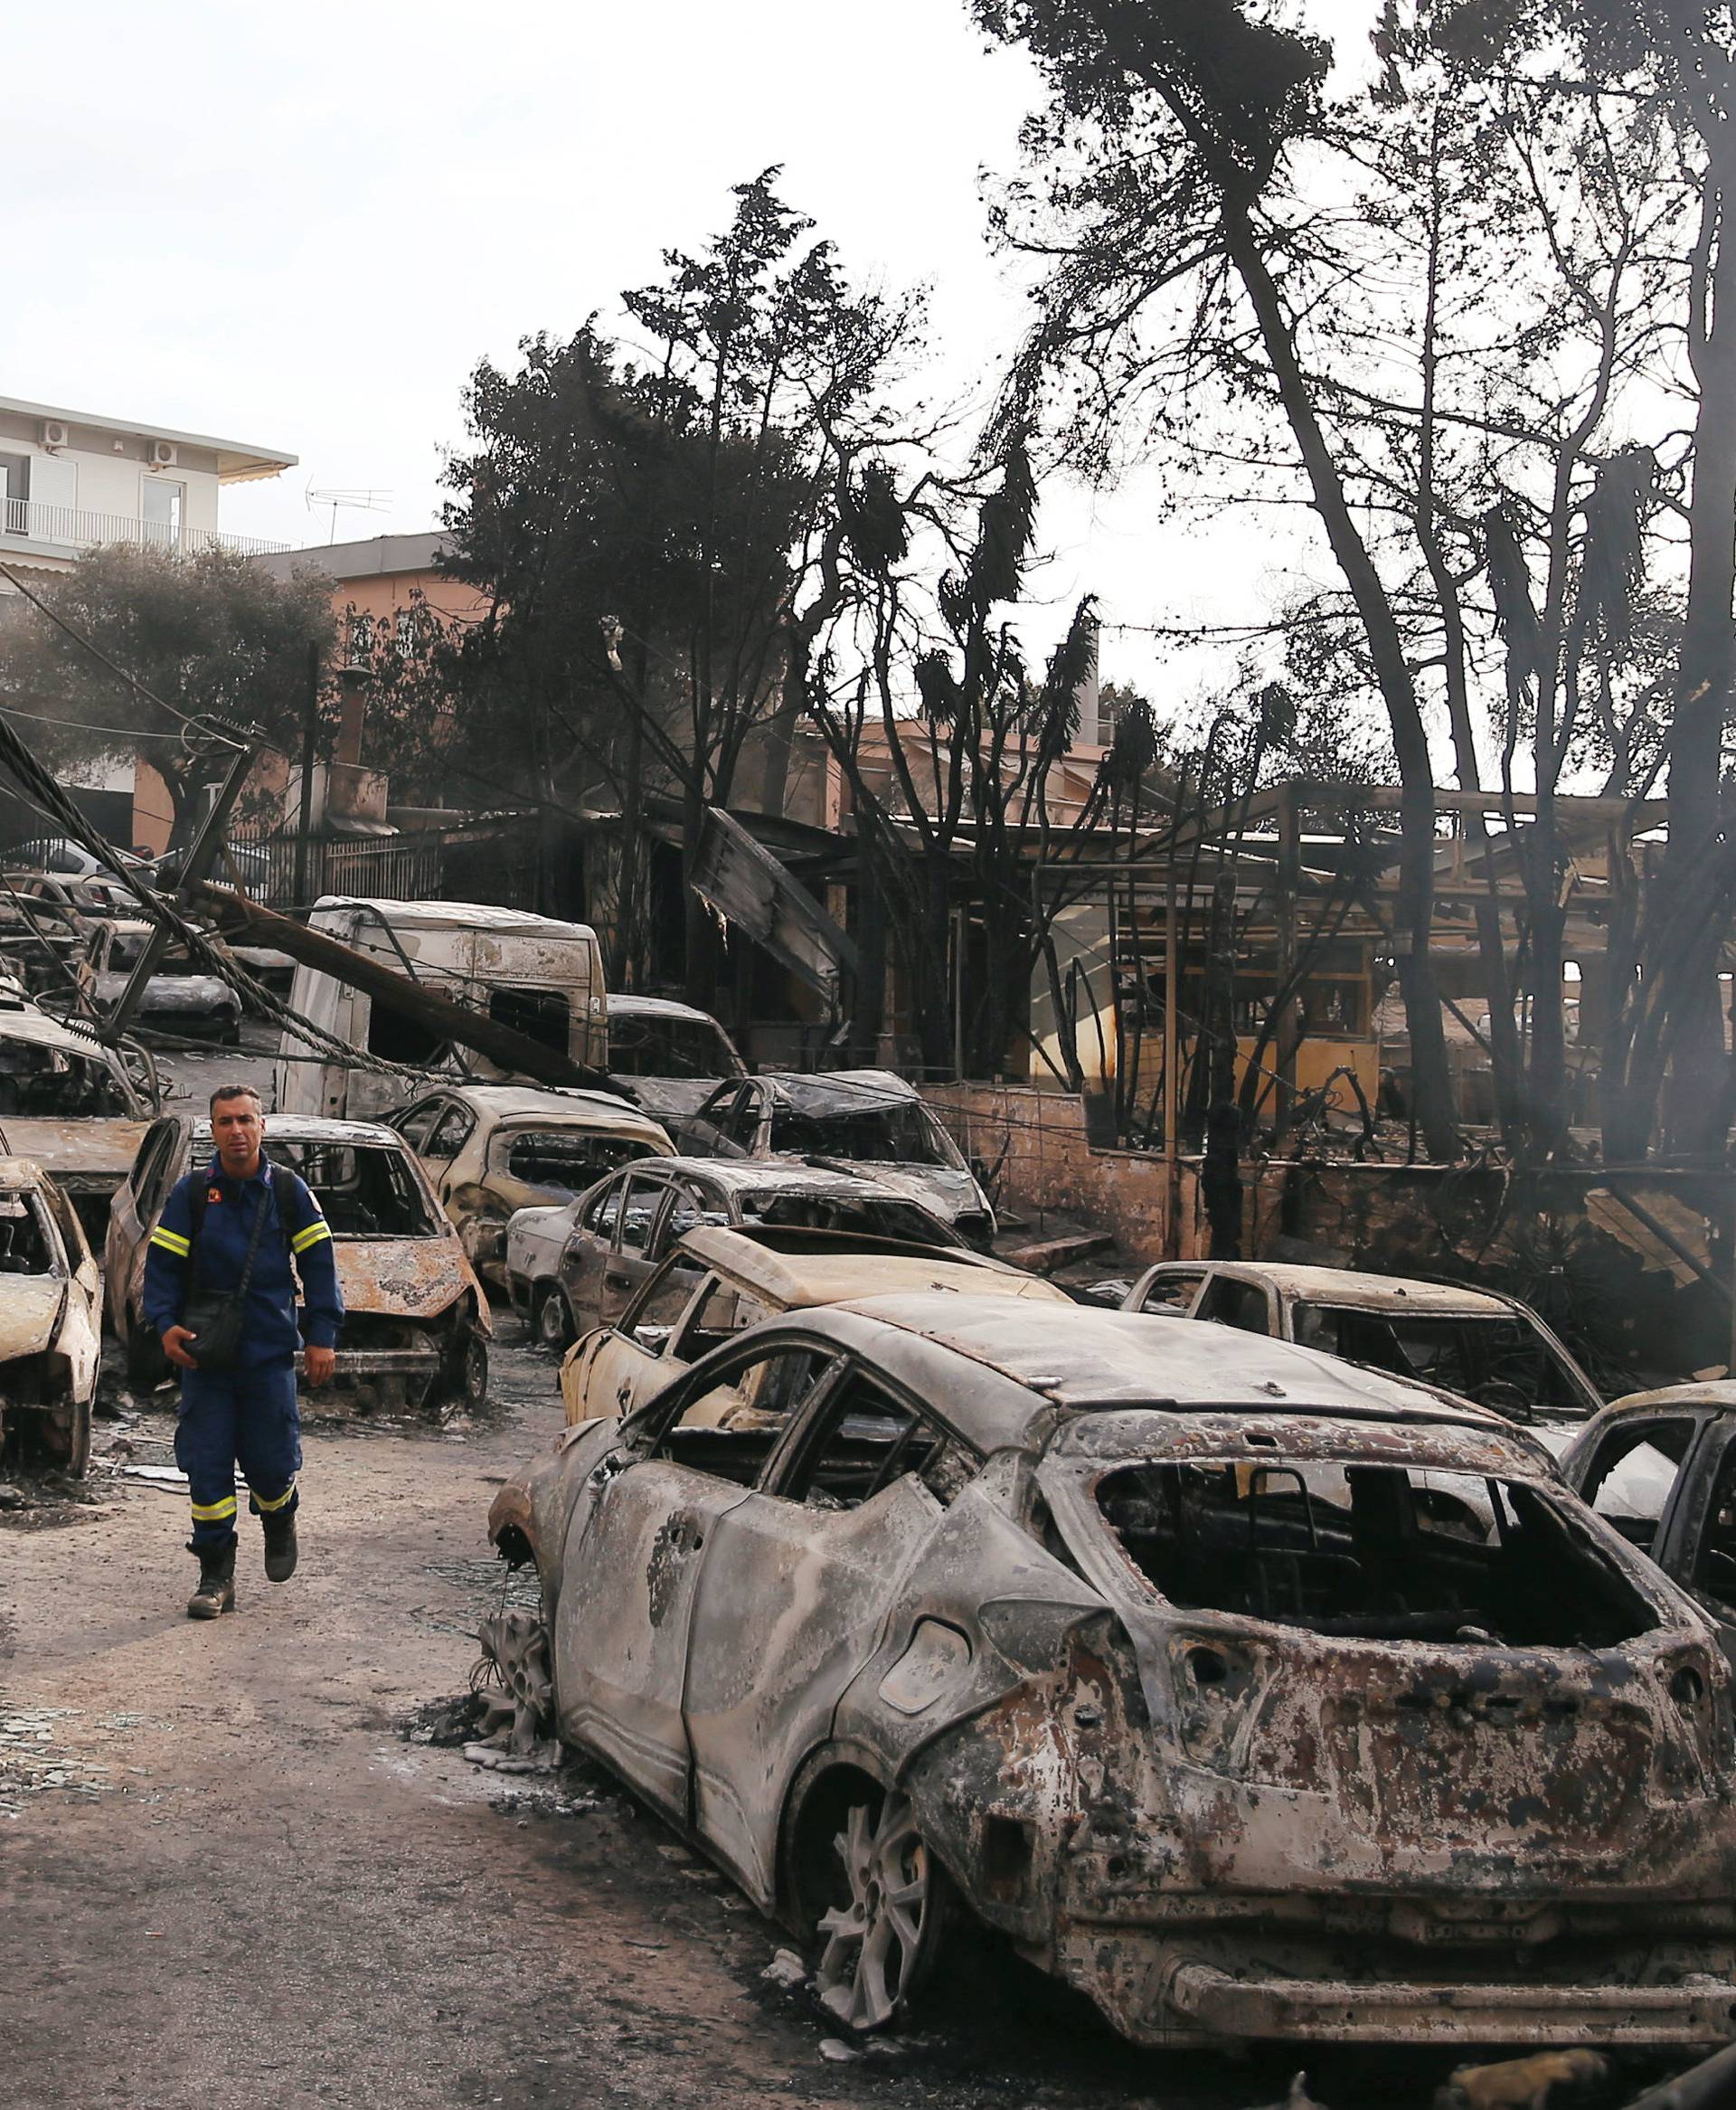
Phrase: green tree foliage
(206, 634)
(658, 530)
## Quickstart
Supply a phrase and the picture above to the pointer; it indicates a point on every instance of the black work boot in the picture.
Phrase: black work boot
(216, 1591)
(280, 1527)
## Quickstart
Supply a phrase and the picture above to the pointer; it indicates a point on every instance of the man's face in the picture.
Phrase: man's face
(238, 1128)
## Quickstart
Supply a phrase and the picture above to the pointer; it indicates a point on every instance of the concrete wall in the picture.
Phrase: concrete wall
(1037, 1147)
(107, 472)
(1628, 1302)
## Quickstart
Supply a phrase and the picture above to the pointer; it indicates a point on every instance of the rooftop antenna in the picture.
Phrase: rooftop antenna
(371, 501)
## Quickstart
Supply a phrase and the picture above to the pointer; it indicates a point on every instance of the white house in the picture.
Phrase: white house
(69, 480)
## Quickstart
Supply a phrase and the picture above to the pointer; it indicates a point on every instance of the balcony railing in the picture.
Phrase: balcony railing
(73, 529)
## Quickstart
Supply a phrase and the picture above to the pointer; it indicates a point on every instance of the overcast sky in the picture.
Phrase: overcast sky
(302, 227)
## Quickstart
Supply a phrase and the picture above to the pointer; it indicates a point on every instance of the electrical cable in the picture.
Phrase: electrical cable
(17, 758)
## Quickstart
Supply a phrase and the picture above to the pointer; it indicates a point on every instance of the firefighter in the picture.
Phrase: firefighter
(225, 1252)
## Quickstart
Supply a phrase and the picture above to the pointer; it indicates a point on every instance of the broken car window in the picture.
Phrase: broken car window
(644, 1197)
(1383, 1552)
(870, 1439)
(730, 1425)
(717, 1310)
(905, 1133)
(641, 1046)
(791, 1209)
(452, 1132)
(50, 1082)
(1173, 1291)
(1242, 1305)
(1634, 1472)
(563, 1160)
(1499, 1362)
(366, 1191)
(26, 1242)
(541, 1015)
(1715, 1571)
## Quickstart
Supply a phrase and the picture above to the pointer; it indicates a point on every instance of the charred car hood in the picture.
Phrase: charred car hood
(83, 1150)
(401, 1278)
(29, 1306)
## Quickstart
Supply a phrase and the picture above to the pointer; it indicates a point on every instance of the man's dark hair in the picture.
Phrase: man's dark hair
(235, 1092)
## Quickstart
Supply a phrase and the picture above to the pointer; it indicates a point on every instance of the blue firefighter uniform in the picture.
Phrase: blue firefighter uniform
(249, 1413)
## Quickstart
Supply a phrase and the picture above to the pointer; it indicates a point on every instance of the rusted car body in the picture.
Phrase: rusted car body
(715, 1283)
(577, 1266)
(70, 1104)
(178, 998)
(873, 1122)
(50, 1322)
(1480, 1344)
(491, 1149)
(1253, 1693)
(1660, 1467)
(416, 1322)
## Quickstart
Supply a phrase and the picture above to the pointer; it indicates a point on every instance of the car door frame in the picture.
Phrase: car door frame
(132, 1217)
(1681, 1527)
(667, 1510)
(830, 1558)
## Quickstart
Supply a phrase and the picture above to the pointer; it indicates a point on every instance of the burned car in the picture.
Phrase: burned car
(180, 998)
(50, 1322)
(1256, 1694)
(714, 1283)
(576, 1267)
(1481, 1344)
(1660, 1467)
(70, 1104)
(416, 1325)
(871, 1121)
(491, 1150)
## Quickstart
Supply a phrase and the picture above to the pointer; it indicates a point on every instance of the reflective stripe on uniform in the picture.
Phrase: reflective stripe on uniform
(310, 1237)
(213, 1512)
(172, 1242)
(277, 1502)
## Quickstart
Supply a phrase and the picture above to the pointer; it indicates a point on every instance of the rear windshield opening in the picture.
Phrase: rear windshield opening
(563, 1160)
(365, 1193)
(1499, 1362)
(795, 1211)
(888, 1135)
(642, 1046)
(1377, 1551)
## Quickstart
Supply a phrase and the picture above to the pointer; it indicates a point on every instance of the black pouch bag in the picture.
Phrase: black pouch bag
(216, 1318)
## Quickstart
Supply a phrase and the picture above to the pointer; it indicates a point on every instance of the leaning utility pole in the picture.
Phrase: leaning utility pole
(198, 861)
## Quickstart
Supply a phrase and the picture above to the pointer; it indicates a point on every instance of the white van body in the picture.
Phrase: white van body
(543, 977)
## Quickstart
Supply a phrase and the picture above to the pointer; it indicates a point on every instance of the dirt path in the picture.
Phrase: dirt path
(271, 1895)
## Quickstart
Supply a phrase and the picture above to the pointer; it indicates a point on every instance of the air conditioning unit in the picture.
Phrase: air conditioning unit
(54, 433)
(163, 454)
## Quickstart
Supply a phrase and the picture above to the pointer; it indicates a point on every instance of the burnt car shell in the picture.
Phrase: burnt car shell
(1292, 1823)
(411, 1299)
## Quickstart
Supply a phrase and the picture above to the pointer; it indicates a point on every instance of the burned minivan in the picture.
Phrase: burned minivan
(1255, 1695)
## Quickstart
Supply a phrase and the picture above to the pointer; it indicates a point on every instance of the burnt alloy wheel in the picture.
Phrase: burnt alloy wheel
(882, 1932)
(553, 1324)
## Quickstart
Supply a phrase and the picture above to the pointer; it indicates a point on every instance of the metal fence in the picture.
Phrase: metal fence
(396, 868)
